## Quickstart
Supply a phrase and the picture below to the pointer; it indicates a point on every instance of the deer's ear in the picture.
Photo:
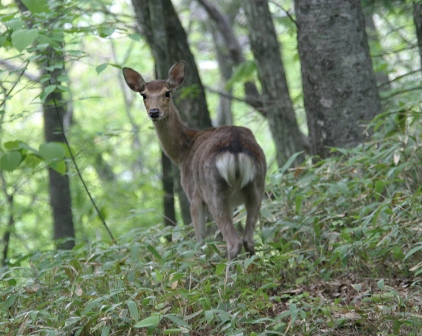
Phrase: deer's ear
(134, 79)
(176, 75)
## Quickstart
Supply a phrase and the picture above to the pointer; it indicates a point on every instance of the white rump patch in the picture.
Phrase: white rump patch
(236, 169)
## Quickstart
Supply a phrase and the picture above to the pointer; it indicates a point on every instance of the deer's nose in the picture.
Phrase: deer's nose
(154, 113)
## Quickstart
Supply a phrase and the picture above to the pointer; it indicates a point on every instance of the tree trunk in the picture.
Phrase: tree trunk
(339, 86)
(279, 108)
(51, 65)
(162, 66)
(225, 65)
(375, 48)
(417, 19)
(59, 185)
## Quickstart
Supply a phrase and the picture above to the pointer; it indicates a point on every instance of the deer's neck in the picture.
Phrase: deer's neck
(176, 138)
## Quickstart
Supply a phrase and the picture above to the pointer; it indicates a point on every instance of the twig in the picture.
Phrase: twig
(285, 11)
(400, 77)
(14, 85)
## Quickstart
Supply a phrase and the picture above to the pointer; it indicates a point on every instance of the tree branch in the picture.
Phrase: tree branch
(254, 98)
(14, 68)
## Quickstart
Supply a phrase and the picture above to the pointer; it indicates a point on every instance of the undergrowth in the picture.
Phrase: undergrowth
(339, 253)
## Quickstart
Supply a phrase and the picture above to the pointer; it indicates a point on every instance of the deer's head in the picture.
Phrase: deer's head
(158, 93)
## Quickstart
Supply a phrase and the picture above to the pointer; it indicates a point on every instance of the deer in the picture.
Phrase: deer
(220, 168)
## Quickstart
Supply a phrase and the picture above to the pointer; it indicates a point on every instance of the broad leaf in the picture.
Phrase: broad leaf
(36, 6)
(10, 161)
(52, 151)
(133, 309)
(151, 321)
(22, 38)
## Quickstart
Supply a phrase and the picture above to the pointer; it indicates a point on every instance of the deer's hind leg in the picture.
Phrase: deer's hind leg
(253, 200)
(222, 213)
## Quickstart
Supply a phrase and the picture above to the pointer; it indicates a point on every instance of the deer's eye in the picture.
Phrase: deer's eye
(144, 95)
(167, 94)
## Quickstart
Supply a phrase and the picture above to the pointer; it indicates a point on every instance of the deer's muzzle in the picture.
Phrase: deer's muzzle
(154, 114)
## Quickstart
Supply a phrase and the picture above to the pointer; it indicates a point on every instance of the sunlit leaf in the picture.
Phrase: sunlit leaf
(52, 151)
(36, 6)
(243, 72)
(22, 38)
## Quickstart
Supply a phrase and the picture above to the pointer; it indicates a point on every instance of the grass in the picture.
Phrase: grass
(339, 253)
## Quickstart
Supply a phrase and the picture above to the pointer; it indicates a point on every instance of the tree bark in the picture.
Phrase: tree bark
(51, 65)
(376, 50)
(10, 223)
(225, 65)
(339, 86)
(417, 19)
(279, 108)
(59, 185)
(162, 62)
(253, 98)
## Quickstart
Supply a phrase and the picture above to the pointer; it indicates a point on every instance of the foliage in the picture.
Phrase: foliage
(338, 253)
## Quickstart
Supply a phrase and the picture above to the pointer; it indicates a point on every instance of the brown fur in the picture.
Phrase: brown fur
(220, 167)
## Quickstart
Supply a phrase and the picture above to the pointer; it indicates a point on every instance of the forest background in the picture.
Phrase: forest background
(331, 91)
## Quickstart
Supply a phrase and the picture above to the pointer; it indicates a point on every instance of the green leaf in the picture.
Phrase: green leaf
(289, 162)
(379, 187)
(10, 161)
(412, 251)
(105, 31)
(12, 282)
(151, 321)
(154, 252)
(101, 68)
(219, 270)
(12, 145)
(380, 284)
(177, 321)
(91, 305)
(105, 331)
(175, 331)
(32, 161)
(135, 37)
(2, 40)
(298, 203)
(52, 151)
(22, 38)
(36, 6)
(133, 309)
(47, 91)
(209, 315)
(15, 24)
(242, 73)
